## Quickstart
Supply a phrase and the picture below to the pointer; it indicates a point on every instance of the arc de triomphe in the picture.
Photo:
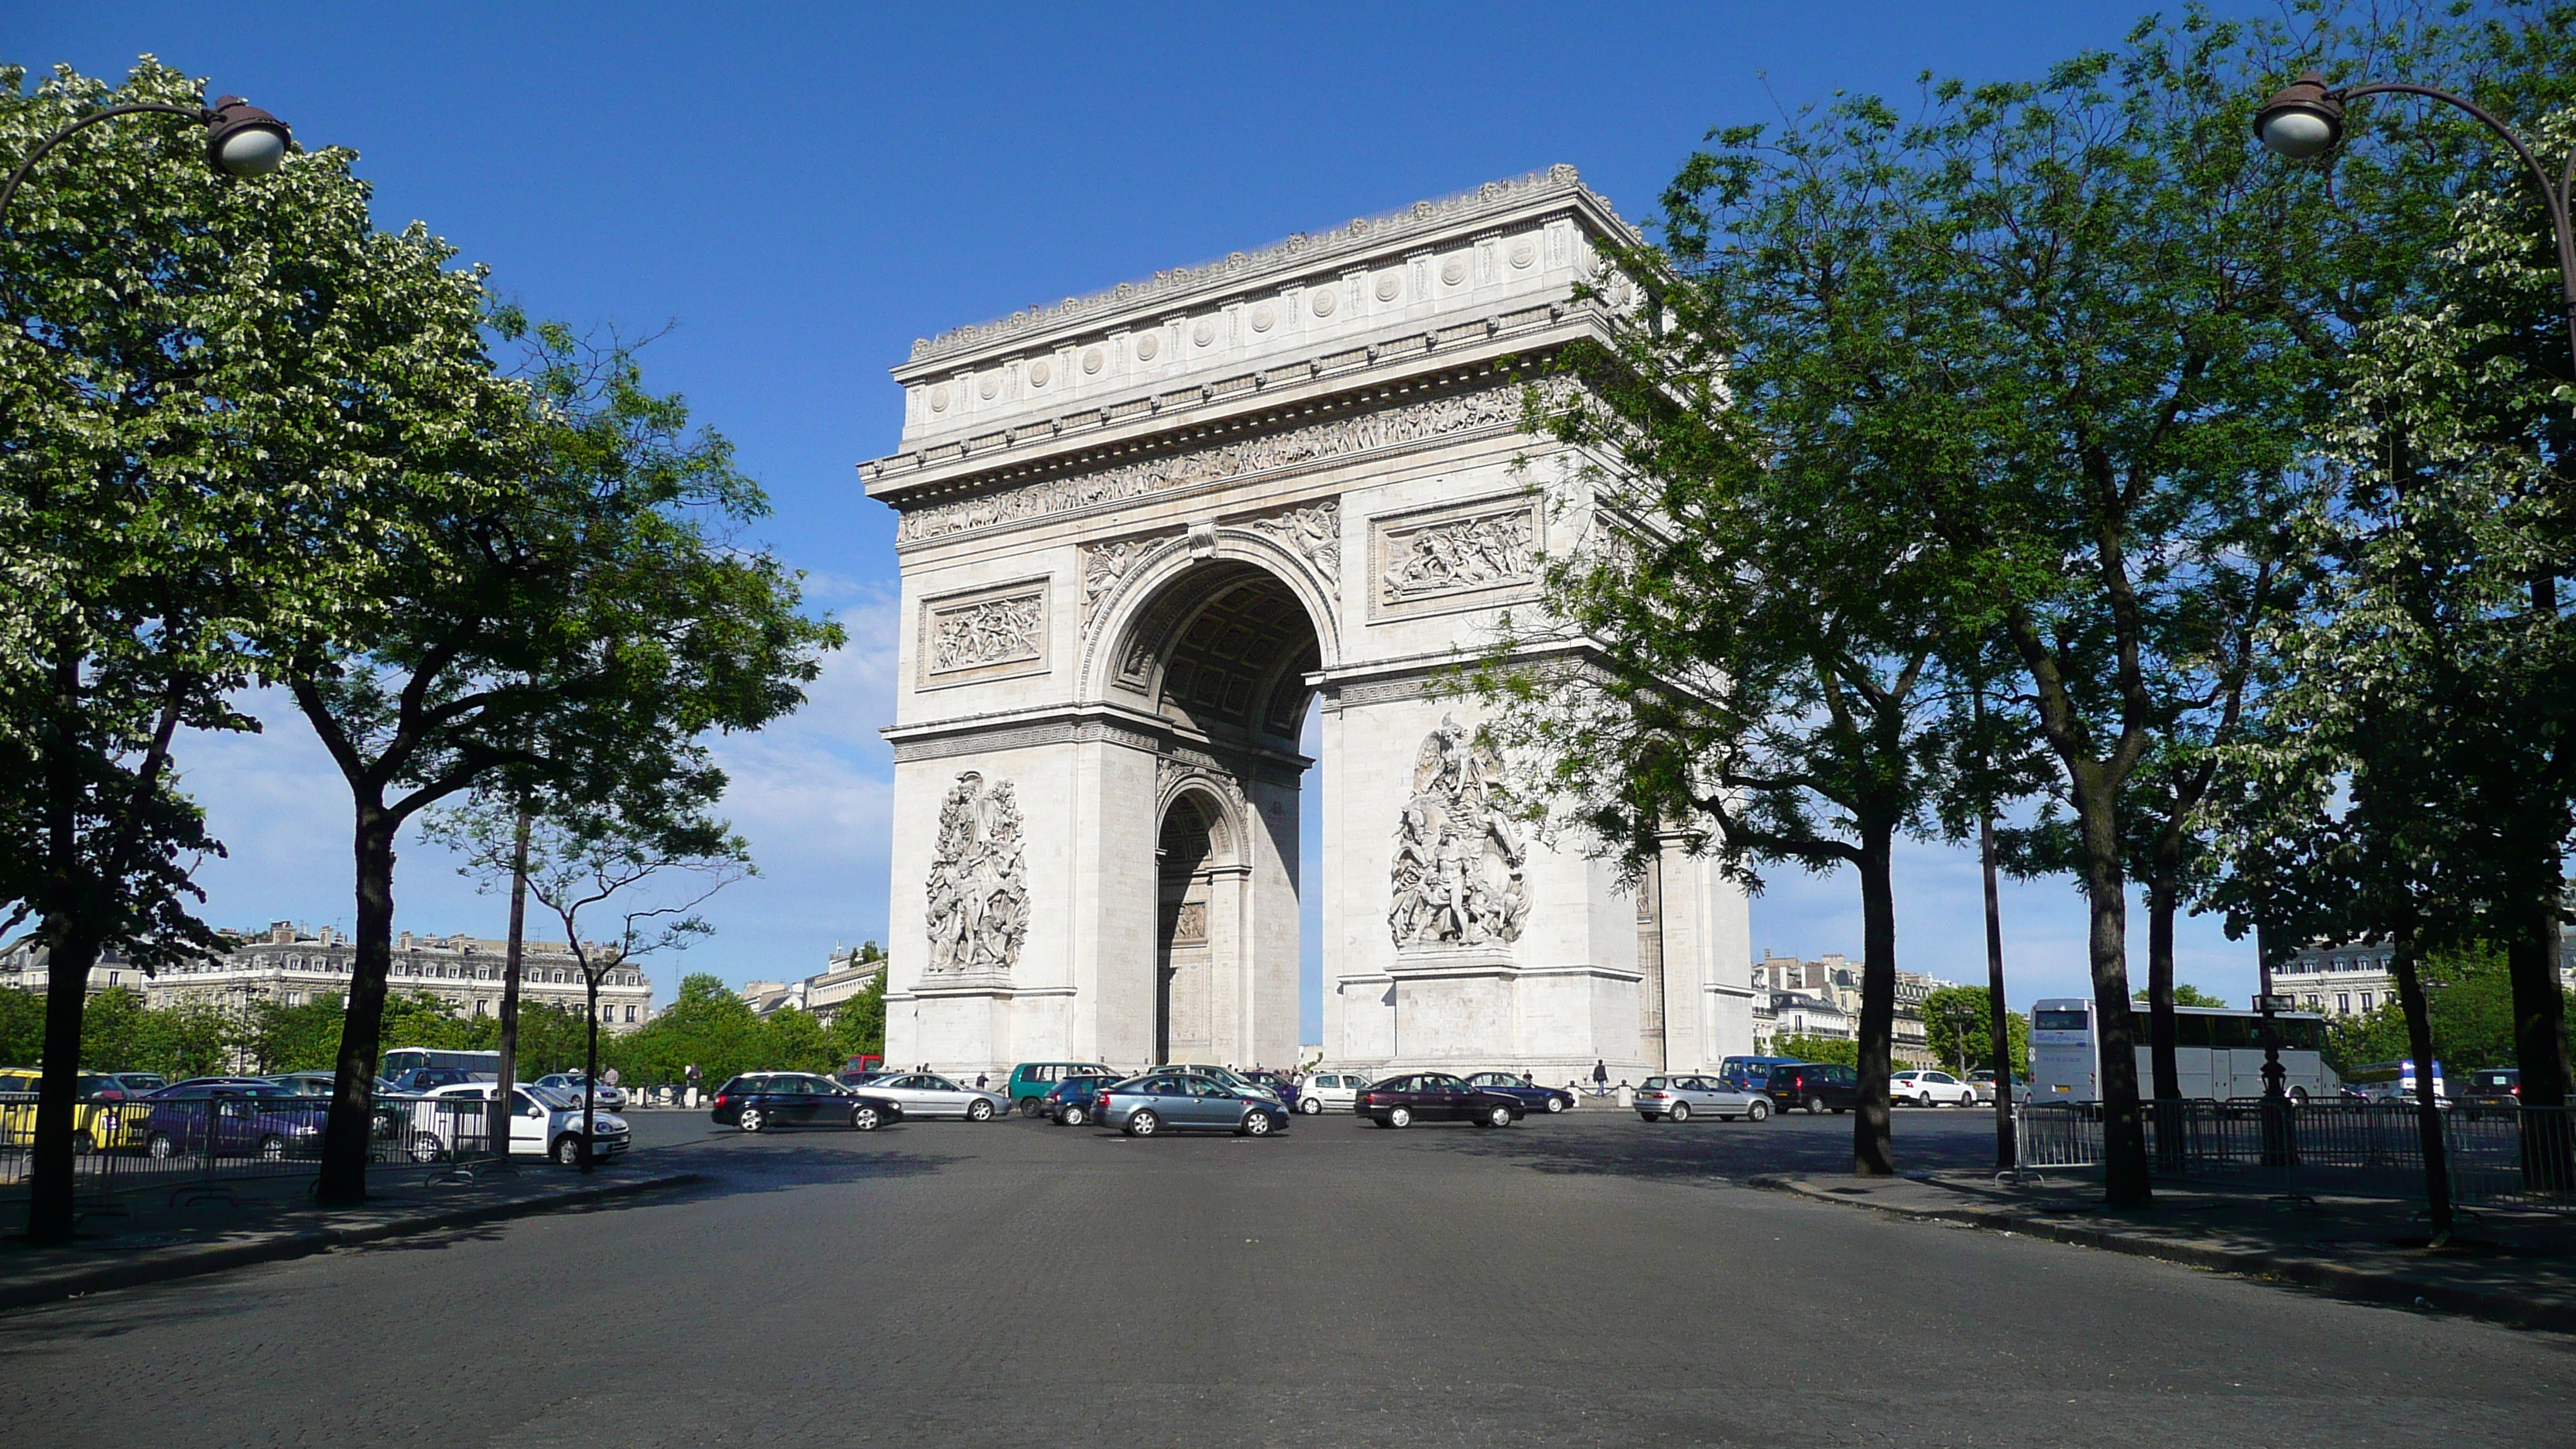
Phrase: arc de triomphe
(1140, 532)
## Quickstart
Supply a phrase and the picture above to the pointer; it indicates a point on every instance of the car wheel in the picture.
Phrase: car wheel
(568, 1150)
(979, 1110)
(1028, 1106)
(1815, 1106)
(272, 1148)
(1400, 1117)
(1646, 1117)
(1312, 1107)
(1071, 1117)
(425, 1147)
(752, 1119)
(865, 1119)
(1758, 1112)
(1143, 1123)
(1680, 1112)
(160, 1145)
(1556, 1104)
(1256, 1124)
(1498, 1116)
(1923, 1101)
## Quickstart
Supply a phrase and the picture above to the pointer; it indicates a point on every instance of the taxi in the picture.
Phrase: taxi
(108, 1116)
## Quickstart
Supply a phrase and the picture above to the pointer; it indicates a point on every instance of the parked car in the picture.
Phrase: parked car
(106, 1115)
(245, 1118)
(1753, 1074)
(1032, 1081)
(1533, 1098)
(322, 1084)
(2489, 1089)
(1982, 1082)
(1401, 1101)
(927, 1094)
(1075, 1100)
(760, 1101)
(140, 1082)
(421, 1081)
(1278, 1084)
(543, 1123)
(1328, 1089)
(602, 1094)
(1812, 1086)
(1227, 1075)
(1929, 1089)
(1680, 1098)
(1188, 1101)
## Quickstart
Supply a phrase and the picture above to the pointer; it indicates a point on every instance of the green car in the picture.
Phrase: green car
(1031, 1081)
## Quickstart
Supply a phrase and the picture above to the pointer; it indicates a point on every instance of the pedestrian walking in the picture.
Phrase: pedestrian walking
(1600, 1077)
(980, 1079)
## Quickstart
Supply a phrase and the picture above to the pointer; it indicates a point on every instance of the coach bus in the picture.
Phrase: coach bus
(399, 1060)
(2218, 1053)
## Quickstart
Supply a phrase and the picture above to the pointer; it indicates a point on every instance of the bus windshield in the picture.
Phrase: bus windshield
(2060, 1020)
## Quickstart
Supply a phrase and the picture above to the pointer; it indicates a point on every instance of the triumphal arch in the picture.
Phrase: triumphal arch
(1141, 533)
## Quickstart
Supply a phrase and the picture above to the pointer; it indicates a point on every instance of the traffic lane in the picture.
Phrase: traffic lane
(1019, 1283)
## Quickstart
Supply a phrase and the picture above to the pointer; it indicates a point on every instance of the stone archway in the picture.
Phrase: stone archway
(1140, 532)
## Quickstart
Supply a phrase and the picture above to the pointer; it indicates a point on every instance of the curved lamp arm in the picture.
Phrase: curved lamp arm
(10, 191)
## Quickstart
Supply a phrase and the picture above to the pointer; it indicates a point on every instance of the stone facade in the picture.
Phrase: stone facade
(849, 971)
(1139, 533)
(293, 965)
(1822, 998)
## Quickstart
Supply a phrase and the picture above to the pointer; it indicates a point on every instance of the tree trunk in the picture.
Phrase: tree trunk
(589, 1066)
(2540, 1041)
(2124, 1133)
(1998, 1019)
(2428, 1108)
(2163, 896)
(511, 957)
(50, 1208)
(345, 1138)
(1873, 1150)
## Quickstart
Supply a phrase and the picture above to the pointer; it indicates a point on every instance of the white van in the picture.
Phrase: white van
(543, 1123)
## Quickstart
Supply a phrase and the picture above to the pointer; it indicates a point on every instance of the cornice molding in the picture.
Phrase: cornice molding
(1338, 246)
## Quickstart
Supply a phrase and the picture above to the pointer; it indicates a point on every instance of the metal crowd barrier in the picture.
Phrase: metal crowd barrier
(2512, 1156)
(145, 1143)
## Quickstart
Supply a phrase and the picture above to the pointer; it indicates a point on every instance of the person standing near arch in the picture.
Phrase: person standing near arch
(1600, 1077)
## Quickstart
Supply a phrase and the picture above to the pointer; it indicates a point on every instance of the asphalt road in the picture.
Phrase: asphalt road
(1582, 1280)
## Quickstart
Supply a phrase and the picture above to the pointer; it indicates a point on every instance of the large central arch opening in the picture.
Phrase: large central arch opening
(1223, 651)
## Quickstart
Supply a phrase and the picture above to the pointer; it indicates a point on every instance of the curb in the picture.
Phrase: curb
(163, 1266)
(2512, 1310)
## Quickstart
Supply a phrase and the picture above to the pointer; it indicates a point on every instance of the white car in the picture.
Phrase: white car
(543, 1123)
(1929, 1089)
(1334, 1091)
(927, 1094)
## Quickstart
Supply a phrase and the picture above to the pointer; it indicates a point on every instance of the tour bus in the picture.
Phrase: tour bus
(398, 1060)
(2218, 1053)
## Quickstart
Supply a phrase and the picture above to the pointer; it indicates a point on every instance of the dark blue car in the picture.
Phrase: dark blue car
(1534, 1098)
(245, 1119)
(1074, 1100)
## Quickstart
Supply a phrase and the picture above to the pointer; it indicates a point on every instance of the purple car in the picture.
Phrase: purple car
(251, 1119)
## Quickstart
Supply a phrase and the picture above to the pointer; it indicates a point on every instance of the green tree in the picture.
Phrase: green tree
(22, 1026)
(1829, 1050)
(858, 1027)
(1955, 1030)
(2186, 994)
(707, 1026)
(575, 615)
(277, 1037)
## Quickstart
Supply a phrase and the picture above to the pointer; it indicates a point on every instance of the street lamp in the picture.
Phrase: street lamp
(241, 139)
(2304, 119)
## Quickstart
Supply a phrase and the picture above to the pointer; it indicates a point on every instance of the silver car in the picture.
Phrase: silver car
(1680, 1098)
(927, 1094)
(602, 1095)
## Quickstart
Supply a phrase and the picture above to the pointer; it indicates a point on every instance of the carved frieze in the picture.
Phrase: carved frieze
(990, 632)
(1457, 874)
(1289, 447)
(1313, 533)
(1189, 924)
(978, 910)
(1427, 561)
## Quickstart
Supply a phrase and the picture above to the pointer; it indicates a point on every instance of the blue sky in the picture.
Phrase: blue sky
(799, 191)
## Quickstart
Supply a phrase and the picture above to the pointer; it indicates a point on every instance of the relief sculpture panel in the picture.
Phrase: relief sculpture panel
(1458, 878)
(995, 632)
(1454, 558)
(979, 887)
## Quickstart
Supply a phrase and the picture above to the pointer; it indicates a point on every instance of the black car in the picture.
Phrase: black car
(1532, 1097)
(2488, 1089)
(1402, 1100)
(761, 1101)
(1816, 1086)
(1073, 1101)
